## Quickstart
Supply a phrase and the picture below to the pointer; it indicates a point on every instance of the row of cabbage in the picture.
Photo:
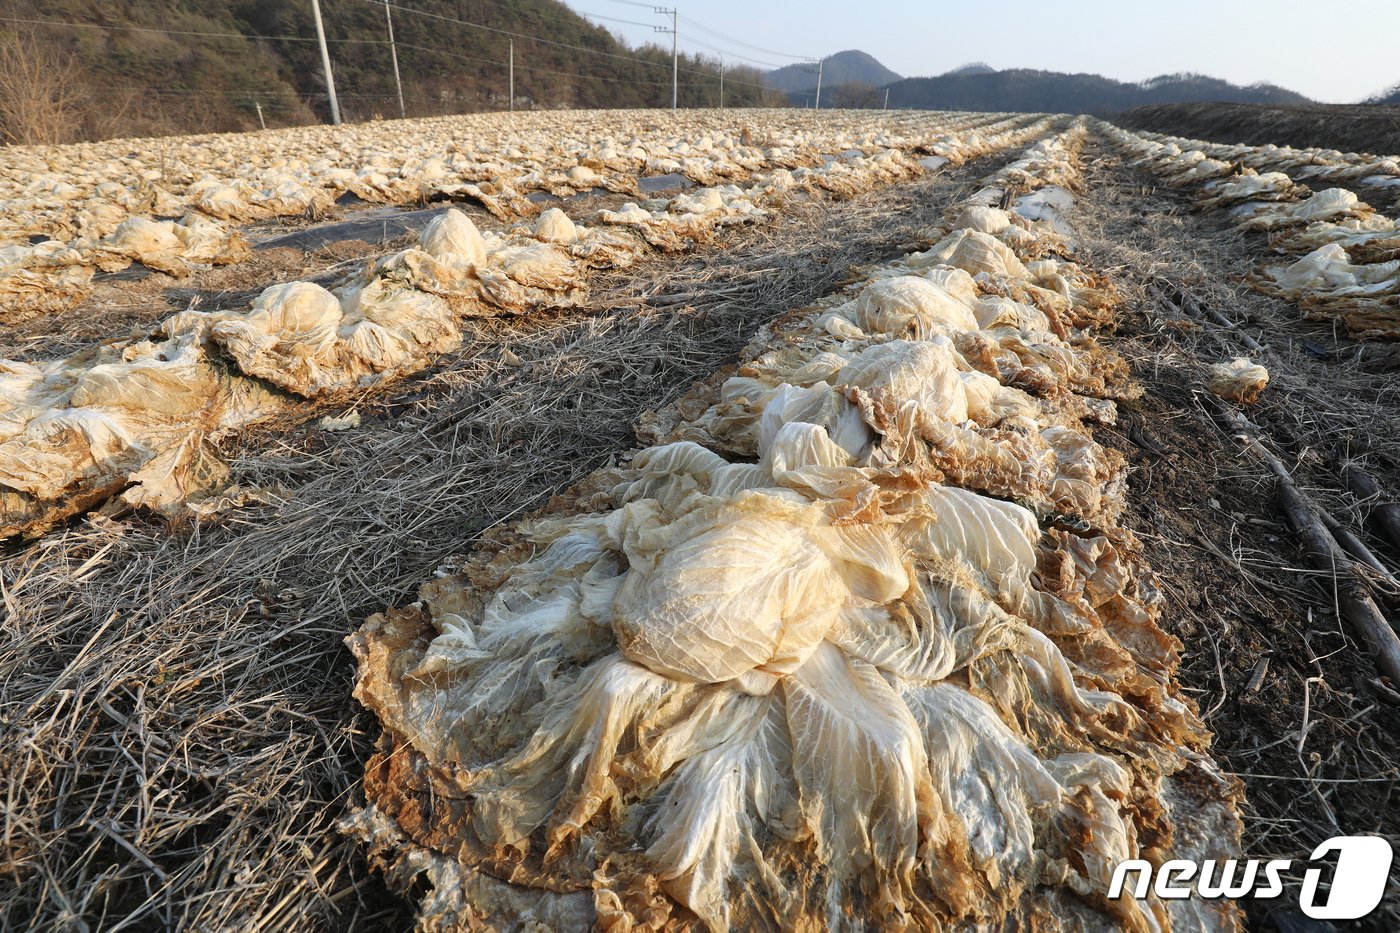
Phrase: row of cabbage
(139, 416)
(1349, 263)
(59, 189)
(70, 211)
(855, 644)
(1380, 173)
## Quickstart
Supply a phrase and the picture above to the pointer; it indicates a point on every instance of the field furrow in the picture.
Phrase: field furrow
(1268, 636)
(1352, 264)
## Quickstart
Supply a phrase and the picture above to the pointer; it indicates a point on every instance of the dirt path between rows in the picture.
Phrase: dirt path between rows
(1287, 688)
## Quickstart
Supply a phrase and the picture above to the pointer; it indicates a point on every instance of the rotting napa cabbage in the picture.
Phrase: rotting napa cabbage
(825, 655)
(1239, 380)
(99, 204)
(391, 317)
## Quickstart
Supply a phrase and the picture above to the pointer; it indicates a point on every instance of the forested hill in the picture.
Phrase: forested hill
(141, 67)
(1023, 89)
(1391, 96)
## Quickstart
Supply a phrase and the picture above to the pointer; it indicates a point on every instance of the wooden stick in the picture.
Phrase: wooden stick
(1230, 325)
(1193, 308)
(1256, 677)
(1357, 548)
(1385, 514)
(1355, 602)
(1353, 599)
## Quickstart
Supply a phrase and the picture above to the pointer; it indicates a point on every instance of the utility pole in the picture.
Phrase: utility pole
(394, 54)
(721, 82)
(818, 62)
(326, 62)
(674, 13)
(512, 75)
(262, 123)
(887, 100)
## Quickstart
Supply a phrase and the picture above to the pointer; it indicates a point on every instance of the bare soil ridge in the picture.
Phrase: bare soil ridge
(1358, 128)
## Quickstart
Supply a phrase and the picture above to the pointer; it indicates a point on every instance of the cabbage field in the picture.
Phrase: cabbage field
(635, 520)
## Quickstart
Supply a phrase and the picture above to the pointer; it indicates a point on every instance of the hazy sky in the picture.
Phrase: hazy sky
(1290, 43)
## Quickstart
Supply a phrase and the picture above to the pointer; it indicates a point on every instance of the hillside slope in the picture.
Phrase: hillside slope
(146, 67)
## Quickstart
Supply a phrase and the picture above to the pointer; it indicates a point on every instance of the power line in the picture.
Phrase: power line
(269, 99)
(703, 28)
(183, 32)
(748, 45)
(613, 19)
(294, 38)
(243, 35)
(731, 53)
(715, 48)
(534, 68)
(515, 35)
(714, 32)
(246, 35)
(562, 45)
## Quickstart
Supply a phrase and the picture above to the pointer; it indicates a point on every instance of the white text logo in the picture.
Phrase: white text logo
(1358, 882)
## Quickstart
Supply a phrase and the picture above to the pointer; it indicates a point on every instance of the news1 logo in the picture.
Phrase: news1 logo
(1358, 881)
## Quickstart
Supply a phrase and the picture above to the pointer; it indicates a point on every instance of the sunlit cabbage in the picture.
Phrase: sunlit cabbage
(820, 656)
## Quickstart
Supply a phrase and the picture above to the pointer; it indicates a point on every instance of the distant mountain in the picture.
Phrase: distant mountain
(973, 68)
(1022, 89)
(849, 67)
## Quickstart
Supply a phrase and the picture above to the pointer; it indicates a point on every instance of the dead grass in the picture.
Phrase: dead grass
(42, 97)
(177, 737)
